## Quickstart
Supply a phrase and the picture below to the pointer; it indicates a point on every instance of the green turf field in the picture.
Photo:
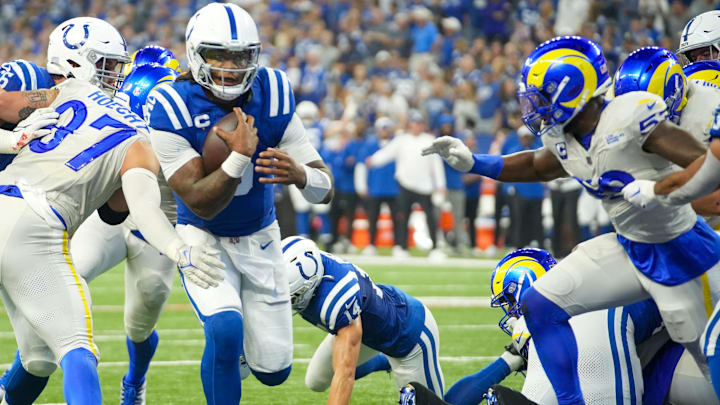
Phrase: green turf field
(469, 337)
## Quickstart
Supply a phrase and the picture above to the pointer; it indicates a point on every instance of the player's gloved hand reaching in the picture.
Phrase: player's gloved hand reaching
(640, 193)
(453, 151)
(201, 265)
(34, 126)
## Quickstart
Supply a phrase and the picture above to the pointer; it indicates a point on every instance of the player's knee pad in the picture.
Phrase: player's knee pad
(539, 310)
(274, 378)
(153, 292)
(39, 368)
(316, 383)
(684, 324)
(224, 331)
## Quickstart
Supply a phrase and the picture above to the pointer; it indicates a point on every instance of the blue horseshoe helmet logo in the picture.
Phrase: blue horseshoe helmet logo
(310, 256)
(81, 43)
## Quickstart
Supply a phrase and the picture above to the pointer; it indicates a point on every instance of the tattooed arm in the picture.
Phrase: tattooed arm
(15, 106)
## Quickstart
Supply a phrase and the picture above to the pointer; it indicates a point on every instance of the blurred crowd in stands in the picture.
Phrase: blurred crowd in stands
(375, 80)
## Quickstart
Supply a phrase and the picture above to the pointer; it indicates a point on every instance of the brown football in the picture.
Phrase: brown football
(215, 150)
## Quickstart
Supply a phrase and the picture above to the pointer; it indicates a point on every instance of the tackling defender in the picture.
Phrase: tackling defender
(362, 318)
(605, 145)
(232, 205)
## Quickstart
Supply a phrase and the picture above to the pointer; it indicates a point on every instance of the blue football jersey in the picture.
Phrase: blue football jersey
(183, 109)
(21, 75)
(391, 319)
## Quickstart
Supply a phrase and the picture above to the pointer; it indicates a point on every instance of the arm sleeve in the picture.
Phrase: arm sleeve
(386, 154)
(297, 144)
(704, 182)
(173, 151)
(142, 194)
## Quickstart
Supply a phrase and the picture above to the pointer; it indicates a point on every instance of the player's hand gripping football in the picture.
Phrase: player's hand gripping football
(201, 265)
(453, 151)
(243, 139)
(34, 126)
(276, 162)
(640, 193)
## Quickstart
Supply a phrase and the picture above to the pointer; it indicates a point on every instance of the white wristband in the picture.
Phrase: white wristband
(317, 185)
(235, 164)
(8, 140)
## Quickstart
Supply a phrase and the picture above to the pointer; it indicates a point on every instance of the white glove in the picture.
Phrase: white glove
(640, 193)
(34, 126)
(201, 265)
(454, 151)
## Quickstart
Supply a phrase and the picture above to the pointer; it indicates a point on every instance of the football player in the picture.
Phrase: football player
(700, 39)
(99, 155)
(362, 318)
(232, 206)
(605, 145)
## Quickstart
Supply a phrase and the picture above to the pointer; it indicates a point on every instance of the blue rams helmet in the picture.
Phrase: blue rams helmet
(140, 82)
(513, 276)
(558, 78)
(706, 70)
(153, 54)
(655, 70)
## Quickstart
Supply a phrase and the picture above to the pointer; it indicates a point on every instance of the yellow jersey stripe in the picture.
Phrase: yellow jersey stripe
(88, 315)
(707, 297)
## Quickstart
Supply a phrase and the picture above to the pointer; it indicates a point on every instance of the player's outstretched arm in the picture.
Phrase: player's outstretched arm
(199, 264)
(346, 349)
(15, 106)
(526, 166)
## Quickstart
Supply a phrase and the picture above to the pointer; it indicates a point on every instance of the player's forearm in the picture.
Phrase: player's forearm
(703, 182)
(207, 195)
(346, 349)
(15, 106)
(341, 387)
(520, 167)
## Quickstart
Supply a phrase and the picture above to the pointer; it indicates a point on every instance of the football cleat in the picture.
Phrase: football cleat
(499, 395)
(132, 394)
(407, 395)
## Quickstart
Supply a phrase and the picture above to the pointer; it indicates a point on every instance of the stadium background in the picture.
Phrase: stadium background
(455, 62)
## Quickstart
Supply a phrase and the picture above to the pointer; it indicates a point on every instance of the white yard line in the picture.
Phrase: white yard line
(420, 261)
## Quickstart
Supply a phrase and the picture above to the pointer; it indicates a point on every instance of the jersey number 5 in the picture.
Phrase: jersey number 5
(96, 150)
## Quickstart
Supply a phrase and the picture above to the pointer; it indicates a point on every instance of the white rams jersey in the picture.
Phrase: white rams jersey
(703, 99)
(70, 173)
(601, 381)
(616, 157)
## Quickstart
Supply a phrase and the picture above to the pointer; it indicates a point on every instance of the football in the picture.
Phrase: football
(215, 150)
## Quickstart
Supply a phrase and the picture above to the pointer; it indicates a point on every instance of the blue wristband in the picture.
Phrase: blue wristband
(487, 165)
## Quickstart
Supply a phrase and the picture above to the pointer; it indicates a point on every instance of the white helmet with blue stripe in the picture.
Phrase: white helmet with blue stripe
(700, 39)
(223, 47)
(305, 269)
(88, 49)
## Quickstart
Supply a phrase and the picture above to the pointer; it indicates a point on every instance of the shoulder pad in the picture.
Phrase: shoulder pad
(340, 306)
(276, 93)
(167, 107)
(638, 111)
(22, 75)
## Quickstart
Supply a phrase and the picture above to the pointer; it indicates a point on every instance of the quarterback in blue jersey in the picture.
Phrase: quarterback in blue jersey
(363, 319)
(233, 205)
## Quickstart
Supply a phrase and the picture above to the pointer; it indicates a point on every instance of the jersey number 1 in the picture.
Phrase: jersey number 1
(96, 150)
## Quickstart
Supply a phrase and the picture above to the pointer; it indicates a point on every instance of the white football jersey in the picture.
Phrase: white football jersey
(616, 157)
(596, 368)
(70, 173)
(699, 112)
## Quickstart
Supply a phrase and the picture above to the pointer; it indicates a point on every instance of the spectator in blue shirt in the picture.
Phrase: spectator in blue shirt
(378, 184)
(313, 81)
(423, 31)
(451, 34)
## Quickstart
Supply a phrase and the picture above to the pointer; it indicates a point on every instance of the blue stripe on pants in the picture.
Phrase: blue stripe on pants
(435, 357)
(426, 364)
(615, 356)
(628, 362)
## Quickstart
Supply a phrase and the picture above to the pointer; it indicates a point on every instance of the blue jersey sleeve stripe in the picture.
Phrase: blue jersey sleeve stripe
(274, 93)
(20, 75)
(177, 102)
(329, 299)
(345, 302)
(233, 25)
(32, 75)
(286, 92)
(159, 97)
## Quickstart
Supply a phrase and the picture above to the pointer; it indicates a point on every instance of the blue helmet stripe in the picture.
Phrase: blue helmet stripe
(231, 17)
(687, 30)
(294, 241)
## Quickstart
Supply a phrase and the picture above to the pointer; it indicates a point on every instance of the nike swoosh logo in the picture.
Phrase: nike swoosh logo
(263, 247)
(650, 107)
(105, 42)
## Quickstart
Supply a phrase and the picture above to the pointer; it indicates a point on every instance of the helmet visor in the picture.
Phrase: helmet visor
(536, 110)
(230, 66)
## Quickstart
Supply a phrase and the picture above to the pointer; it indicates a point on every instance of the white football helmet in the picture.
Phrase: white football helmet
(223, 47)
(308, 112)
(89, 49)
(305, 269)
(701, 32)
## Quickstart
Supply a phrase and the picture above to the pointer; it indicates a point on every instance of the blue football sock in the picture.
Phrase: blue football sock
(21, 387)
(714, 364)
(140, 355)
(80, 378)
(556, 345)
(377, 363)
(470, 390)
(302, 223)
(219, 369)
